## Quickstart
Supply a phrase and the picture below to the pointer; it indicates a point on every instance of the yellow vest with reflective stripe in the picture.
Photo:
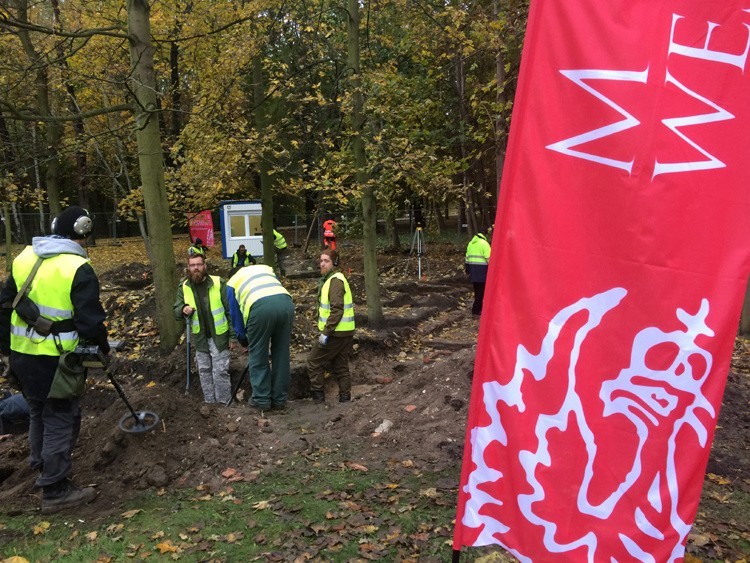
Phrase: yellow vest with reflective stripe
(278, 240)
(478, 251)
(50, 290)
(252, 283)
(347, 320)
(236, 260)
(221, 324)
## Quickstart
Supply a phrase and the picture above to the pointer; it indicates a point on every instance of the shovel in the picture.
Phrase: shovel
(188, 330)
(237, 387)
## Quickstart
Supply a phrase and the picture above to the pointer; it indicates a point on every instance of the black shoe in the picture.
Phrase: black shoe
(345, 397)
(279, 407)
(318, 396)
(64, 495)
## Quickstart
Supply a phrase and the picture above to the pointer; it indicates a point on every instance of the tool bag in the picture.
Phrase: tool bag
(28, 310)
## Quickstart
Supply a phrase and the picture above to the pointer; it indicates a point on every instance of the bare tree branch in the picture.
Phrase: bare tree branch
(10, 112)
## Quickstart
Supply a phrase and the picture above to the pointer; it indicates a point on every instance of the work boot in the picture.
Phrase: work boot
(318, 396)
(64, 495)
(345, 397)
(259, 407)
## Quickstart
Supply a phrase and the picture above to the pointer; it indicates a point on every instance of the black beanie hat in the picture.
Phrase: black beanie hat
(70, 224)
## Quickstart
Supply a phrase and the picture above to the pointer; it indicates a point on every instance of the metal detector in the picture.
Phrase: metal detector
(135, 422)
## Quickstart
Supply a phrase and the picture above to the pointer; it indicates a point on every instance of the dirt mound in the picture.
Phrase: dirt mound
(411, 383)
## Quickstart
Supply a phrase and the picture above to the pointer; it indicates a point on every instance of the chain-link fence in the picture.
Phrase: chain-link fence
(299, 229)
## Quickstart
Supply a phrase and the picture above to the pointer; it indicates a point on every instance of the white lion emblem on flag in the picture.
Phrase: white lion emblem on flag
(570, 458)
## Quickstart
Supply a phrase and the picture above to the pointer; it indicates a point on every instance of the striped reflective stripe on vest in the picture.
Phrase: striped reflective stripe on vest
(50, 290)
(478, 251)
(252, 283)
(221, 324)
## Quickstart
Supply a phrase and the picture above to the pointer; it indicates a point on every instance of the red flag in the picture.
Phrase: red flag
(619, 265)
(202, 227)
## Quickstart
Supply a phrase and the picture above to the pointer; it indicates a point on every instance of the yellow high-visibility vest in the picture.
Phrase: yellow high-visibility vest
(478, 251)
(252, 283)
(278, 240)
(50, 290)
(324, 311)
(221, 324)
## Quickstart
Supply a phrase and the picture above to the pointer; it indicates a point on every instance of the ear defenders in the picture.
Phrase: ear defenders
(83, 225)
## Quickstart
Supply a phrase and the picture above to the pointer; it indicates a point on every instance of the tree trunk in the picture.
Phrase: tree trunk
(501, 100)
(52, 130)
(8, 238)
(144, 233)
(745, 318)
(369, 214)
(151, 164)
(391, 228)
(266, 183)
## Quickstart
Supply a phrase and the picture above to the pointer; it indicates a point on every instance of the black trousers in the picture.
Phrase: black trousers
(476, 308)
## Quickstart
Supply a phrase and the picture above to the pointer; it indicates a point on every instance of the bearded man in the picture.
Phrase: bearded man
(202, 301)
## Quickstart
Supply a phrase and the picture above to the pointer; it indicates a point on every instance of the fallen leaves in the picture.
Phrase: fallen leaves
(356, 466)
(41, 528)
(166, 547)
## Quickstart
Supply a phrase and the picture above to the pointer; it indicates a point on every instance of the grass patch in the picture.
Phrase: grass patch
(334, 511)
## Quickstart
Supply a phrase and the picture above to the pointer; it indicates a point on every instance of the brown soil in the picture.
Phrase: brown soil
(415, 373)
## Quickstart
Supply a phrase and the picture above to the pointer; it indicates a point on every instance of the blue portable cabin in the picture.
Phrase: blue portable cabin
(240, 224)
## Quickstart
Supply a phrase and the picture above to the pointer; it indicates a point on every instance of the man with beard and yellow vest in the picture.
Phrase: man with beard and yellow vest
(262, 313)
(336, 325)
(202, 301)
(65, 291)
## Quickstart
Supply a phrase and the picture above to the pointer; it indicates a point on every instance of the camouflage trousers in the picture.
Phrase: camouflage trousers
(213, 370)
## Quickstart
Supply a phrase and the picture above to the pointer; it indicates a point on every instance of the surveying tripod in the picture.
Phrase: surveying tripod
(418, 244)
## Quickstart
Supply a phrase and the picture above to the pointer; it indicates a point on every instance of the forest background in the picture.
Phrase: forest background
(155, 110)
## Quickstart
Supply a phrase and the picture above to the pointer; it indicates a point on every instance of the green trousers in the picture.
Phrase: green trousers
(334, 357)
(270, 324)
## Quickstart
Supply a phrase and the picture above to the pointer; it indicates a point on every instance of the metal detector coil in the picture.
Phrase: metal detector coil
(134, 422)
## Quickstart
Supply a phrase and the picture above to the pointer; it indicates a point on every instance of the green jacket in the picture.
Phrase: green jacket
(200, 340)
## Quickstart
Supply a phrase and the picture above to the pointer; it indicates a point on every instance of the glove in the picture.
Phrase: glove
(322, 340)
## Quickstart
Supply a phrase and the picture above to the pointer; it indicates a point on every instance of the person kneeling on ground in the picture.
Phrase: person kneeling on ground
(14, 412)
(336, 325)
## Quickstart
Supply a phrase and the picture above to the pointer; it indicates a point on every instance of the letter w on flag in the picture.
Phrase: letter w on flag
(619, 265)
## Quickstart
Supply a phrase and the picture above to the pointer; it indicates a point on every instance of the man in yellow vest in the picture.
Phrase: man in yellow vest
(476, 265)
(202, 301)
(262, 314)
(65, 290)
(279, 243)
(336, 325)
(240, 259)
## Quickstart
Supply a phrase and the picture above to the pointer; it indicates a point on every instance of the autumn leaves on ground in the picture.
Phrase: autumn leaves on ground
(375, 479)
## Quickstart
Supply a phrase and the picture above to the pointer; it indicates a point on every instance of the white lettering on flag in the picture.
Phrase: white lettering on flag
(578, 76)
(674, 123)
